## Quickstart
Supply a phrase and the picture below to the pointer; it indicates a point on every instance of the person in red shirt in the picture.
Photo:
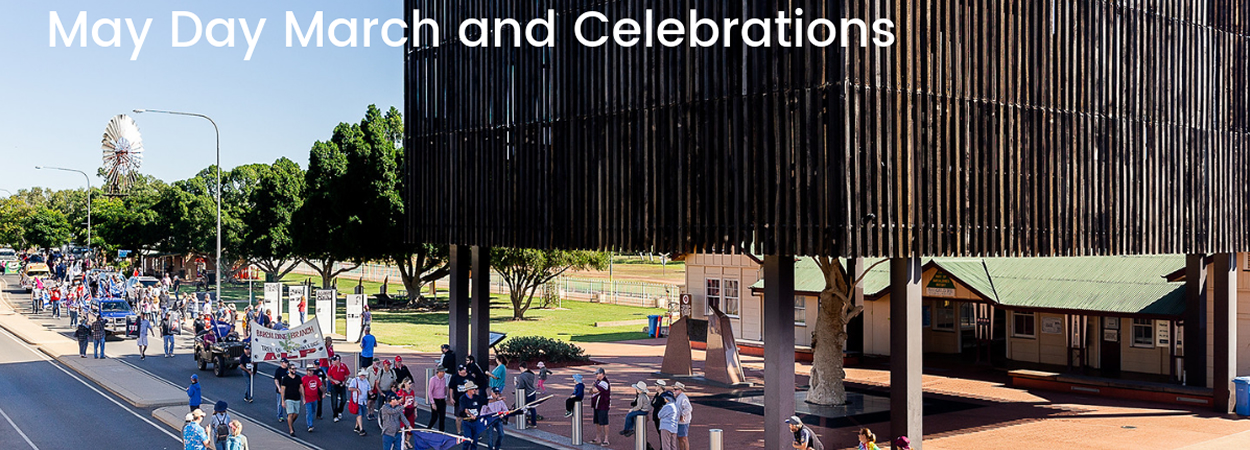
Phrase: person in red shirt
(407, 399)
(313, 391)
(338, 375)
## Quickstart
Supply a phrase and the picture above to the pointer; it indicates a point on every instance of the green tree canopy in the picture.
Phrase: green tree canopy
(525, 270)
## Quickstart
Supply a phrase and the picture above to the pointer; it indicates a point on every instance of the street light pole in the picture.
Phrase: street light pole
(84, 175)
(218, 132)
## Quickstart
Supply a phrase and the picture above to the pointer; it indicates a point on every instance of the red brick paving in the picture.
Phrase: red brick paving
(1008, 417)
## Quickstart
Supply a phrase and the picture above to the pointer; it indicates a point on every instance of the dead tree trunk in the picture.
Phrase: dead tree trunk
(836, 309)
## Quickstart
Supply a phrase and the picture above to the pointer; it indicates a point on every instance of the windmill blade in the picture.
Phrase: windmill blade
(122, 148)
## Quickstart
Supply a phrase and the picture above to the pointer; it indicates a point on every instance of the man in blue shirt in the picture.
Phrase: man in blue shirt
(367, 344)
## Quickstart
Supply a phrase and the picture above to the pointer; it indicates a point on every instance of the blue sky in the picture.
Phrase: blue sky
(55, 102)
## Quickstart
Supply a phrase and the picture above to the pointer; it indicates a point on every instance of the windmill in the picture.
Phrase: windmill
(123, 153)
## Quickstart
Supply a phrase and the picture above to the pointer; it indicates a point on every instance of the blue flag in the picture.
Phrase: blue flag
(433, 440)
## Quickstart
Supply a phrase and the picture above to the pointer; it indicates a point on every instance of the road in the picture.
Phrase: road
(177, 371)
(46, 406)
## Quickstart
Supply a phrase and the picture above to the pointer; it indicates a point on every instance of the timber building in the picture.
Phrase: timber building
(988, 129)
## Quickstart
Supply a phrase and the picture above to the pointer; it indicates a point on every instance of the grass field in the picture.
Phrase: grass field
(425, 331)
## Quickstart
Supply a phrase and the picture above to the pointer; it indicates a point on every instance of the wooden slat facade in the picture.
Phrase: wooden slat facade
(990, 128)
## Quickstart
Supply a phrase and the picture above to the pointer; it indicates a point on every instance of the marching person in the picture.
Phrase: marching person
(278, 375)
(494, 416)
(436, 397)
(393, 420)
(97, 337)
(359, 388)
(145, 329)
(249, 369)
(337, 379)
(313, 391)
(468, 409)
(82, 334)
(292, 396)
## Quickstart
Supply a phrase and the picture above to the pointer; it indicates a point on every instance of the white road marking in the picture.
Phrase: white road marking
(53, 363)
(19, 430)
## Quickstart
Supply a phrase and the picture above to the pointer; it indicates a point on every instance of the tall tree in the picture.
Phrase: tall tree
(525, 270)
(323, 235)
(13, 213)
(836, 309)
(268, 240)
(46, 228)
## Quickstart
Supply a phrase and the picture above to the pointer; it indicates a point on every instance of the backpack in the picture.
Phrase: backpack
(222, 427)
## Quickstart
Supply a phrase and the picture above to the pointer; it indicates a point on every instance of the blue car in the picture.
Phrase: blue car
(118, 317)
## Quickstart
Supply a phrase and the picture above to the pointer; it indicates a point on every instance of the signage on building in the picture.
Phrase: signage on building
(1111, 335)
(1163, 333)
(1052, 325)
(940, 285)
(687, 305)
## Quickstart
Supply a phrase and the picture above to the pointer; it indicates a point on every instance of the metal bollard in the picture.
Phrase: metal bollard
(640, 432)
(716, 439)
(576, 435)
(520, 403)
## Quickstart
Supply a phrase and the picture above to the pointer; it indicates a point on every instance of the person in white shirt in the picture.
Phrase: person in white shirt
(359, 388)
(685, 412)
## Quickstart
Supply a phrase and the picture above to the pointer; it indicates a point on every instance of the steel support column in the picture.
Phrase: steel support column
(906, 399)
(1224, 277)
(480, 319)
(778, 350)
(1194, 341)
(458, 302)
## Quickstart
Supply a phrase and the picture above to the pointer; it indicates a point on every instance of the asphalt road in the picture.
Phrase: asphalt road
(177, 371)
(45, 406)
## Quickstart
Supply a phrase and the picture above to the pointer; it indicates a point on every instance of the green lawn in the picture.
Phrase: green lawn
(576, 323)
(425, 331)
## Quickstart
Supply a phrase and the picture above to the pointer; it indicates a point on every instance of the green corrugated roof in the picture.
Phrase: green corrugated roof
(1117, 284)
(808, 278)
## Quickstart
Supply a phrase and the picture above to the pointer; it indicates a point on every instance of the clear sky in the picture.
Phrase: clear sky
(55, 102)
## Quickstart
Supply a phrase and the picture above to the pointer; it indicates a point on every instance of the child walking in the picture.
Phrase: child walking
(542, 377)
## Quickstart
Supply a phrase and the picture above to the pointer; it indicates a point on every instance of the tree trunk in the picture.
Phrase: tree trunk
(518, 309)
(827, 352)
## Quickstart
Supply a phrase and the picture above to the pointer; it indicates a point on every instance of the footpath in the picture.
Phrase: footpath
(141, 390)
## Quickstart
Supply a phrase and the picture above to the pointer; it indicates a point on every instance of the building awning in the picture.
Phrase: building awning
(1117, 285)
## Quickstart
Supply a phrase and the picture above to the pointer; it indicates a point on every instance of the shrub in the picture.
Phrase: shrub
(538, 348)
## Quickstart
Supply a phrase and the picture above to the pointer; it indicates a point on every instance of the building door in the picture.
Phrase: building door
(1109, 351)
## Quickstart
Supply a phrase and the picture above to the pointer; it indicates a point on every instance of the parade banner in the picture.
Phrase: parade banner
(293, 295)
(300, 342)
(273, 299)
(355, 311)
(325, 309)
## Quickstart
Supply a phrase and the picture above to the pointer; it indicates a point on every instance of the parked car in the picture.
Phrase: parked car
(8, 257)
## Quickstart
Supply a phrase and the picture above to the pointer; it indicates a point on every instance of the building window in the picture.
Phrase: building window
(712, 296)
(1023, 325)
(729, 297)
(800, 311)
(944, 316)
(1143, 333)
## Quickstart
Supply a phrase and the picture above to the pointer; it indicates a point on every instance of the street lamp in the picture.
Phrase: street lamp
(6, 190)
(218, 132)
(84, 175)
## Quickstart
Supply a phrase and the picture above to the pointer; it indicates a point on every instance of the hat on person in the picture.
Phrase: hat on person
(362, 373)
(190, 417)
(386, 362)
(198, 412)
(468, 386)
(284, 361)
(599, 371)
(194, 377)
(902, 442)
(679, 386)
(440, 369)
(497, 390)
(460, 367)
(398, 359)
(220, 406)
(577, 378)
(541, 365)
(661, 383)
(641, 386)
(667, 396)
(794, 420)
(391, 396)
(335, 358)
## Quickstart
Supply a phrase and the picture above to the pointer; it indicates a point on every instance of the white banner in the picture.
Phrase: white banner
(325, 309)
(273, 299)
(355, 311)
(301, 342)
(293, 295)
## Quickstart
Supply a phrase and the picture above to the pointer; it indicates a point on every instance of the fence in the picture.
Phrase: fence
(597, 290)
